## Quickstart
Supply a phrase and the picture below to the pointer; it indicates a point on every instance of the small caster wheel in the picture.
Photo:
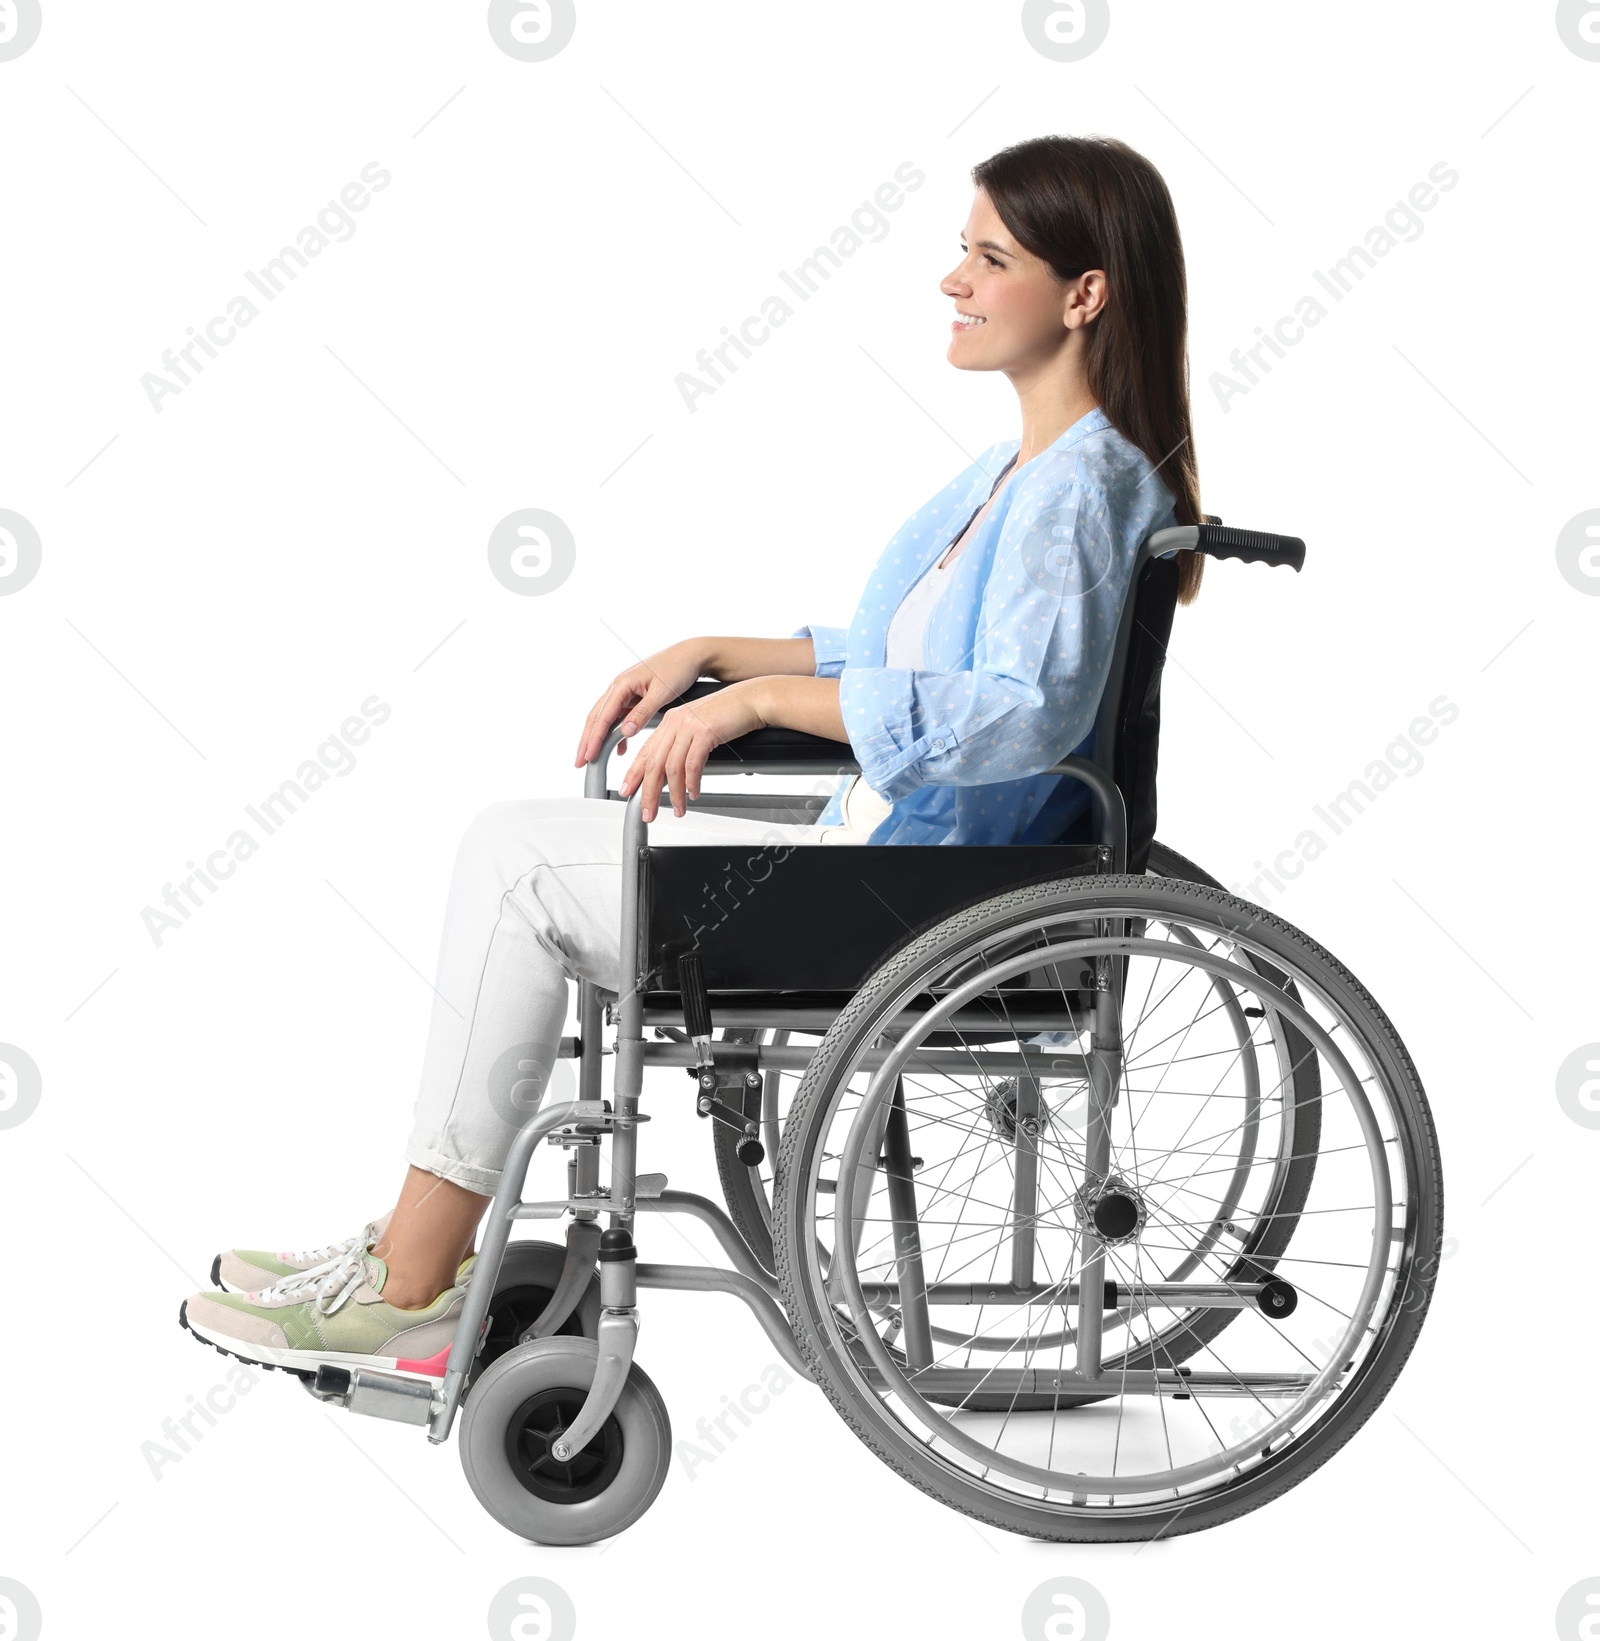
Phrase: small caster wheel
(1277, 1298)
(750, 1151)
(528, 1277)
(521, 1405)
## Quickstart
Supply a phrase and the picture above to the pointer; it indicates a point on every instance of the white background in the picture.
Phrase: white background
(304, 526)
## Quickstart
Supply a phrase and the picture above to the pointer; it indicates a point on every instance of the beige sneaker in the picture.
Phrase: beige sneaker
(249, 1270)
(334, 1315)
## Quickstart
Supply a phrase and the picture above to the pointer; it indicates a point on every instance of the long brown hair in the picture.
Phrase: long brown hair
(1093, 202)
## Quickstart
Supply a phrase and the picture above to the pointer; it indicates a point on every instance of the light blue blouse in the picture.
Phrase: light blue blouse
(1018, 648)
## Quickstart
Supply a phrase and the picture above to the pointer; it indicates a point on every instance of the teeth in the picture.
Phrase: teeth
(968, 320)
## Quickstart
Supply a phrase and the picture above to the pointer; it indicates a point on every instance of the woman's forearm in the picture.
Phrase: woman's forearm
(734, 659)
(807, 704)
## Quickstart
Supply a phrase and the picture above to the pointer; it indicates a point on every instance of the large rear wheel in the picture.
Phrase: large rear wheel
(1145, 1209)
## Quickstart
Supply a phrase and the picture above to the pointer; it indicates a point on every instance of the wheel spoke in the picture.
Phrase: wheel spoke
(1255, 1147)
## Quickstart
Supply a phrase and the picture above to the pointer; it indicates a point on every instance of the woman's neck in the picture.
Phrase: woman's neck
(1051, 402)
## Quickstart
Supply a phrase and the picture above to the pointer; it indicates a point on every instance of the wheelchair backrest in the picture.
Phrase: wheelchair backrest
(1128, 723)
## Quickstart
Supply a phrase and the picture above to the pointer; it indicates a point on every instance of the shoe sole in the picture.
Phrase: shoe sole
(304, 1363)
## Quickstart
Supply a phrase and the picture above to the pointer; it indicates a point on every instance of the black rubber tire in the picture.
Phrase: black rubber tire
(813, 1320)
(1165, 862)
(528, 1276)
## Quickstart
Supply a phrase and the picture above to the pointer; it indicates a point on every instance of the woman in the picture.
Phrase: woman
(976, 658)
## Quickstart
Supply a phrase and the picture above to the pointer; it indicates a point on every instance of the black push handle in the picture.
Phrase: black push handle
(696, 1005)
(1253, 546)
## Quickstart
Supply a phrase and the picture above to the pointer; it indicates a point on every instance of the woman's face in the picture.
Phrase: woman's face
(1012, 313)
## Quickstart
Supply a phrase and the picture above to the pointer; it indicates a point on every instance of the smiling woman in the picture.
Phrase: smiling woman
(974, 663)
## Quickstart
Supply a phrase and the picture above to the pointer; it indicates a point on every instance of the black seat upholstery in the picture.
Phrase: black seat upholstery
(795, 918)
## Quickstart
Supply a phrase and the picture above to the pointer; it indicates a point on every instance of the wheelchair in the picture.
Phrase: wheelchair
(1101, 1203)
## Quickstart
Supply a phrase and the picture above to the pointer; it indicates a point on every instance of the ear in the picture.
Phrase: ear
(1085, 299)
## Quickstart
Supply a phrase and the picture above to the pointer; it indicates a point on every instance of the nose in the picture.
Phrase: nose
(955, 283)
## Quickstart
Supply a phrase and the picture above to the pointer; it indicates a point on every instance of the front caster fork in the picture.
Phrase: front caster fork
(618, 1333)
(577, 1271)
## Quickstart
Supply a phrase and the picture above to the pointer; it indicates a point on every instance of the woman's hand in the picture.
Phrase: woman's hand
(634, 696)
(675, 755)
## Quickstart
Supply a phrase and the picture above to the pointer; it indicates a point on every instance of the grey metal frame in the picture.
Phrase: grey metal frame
(579, 1124)
(1087, 1375)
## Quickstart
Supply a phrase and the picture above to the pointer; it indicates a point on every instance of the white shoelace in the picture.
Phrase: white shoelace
(327, 1286)
(333, 1250)
(320, 1256)
(330, 1284)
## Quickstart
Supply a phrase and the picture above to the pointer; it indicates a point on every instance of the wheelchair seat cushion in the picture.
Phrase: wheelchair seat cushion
(780, 918)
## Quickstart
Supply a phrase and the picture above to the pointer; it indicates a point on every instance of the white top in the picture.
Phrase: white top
(863, 808)
(908, 627)
(904, 645)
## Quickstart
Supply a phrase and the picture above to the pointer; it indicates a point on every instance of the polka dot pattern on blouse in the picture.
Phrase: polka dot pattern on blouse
(1018, 649)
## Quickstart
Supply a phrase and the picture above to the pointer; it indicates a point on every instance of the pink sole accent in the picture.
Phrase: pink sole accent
(433, 1365)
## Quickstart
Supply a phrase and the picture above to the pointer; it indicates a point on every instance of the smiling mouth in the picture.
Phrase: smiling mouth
(968, 321)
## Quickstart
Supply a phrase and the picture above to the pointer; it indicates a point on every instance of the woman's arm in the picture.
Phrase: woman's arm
(734, 659)
(638, 692)
(1028, 690)
(675, 755)
(809, 704)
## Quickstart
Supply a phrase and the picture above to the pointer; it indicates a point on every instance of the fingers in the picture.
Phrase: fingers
(644, 775)
(589, 735)
(695, 764)
(650, 784)
(661, 762)
(677, 757)
(651, 699)
(586, 736)
(616, 701)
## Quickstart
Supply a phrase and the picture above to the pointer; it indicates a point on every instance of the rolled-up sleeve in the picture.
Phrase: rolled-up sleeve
(828, 644)
(1046, 630)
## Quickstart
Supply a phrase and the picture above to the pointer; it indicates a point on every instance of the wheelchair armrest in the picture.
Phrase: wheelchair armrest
(773, 751)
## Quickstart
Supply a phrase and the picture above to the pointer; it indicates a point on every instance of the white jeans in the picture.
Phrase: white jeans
(536, 901)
